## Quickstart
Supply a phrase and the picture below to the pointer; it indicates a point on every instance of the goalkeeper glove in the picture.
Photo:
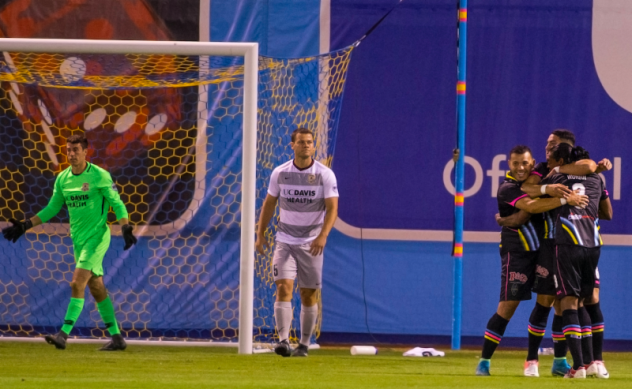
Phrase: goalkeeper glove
(130, 239)
(14, 232)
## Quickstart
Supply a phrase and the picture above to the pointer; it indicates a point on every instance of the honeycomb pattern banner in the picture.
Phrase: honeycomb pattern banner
(169, 130)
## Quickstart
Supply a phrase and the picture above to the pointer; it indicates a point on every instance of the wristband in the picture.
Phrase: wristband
(543, 189)
(563, 201)
(557, 169)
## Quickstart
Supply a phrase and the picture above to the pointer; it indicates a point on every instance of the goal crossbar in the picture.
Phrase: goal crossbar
(97, 46)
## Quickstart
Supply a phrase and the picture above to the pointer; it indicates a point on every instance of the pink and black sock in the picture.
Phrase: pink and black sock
(573, 333)
(587, 342)
(559, 341)
(596, 317)
(493, 335)
(537, 328)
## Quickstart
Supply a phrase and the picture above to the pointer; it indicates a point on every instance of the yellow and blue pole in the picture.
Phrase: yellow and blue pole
(459, 181)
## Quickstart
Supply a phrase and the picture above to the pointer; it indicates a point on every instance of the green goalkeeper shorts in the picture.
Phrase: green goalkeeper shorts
(89, 255)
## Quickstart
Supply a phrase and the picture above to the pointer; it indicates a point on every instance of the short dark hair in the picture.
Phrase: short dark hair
(566, 135)
(78, 138)
(568, 153)
(520, 149)
(301, 130)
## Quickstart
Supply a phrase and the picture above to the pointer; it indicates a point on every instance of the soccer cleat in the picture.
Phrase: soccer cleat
(531, 368)
(579, 373)
(560, 367)
(58, 340)
(602, 372)
(300, 351)
(283, 348)
(116, 344)
(483, 368)
(591, 369)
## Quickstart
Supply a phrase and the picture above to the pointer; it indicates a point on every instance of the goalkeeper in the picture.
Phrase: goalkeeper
(88, 191)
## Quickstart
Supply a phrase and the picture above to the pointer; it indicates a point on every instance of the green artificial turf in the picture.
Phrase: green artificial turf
(38, 365)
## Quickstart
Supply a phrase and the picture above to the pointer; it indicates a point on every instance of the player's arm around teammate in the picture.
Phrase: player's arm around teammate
(583, 167)
(605, 209)
(518, 248)
(545, 284)
(521, 166)
(578, 246)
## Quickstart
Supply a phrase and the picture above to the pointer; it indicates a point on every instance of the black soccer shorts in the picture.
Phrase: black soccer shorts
(517, 274)
(545, 278)
(576, 270)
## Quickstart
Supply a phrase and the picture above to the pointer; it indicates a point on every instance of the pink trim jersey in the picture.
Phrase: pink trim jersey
(525, 237)
(580, 226)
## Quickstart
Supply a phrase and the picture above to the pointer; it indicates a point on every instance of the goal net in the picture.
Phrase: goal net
(169, 129)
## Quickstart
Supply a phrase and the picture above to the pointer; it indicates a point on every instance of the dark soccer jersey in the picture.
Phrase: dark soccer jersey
(580, 226)
(541, 169)
(523, 238)
(538, 222)
(548, 217)
(604, 195)
(539, 219)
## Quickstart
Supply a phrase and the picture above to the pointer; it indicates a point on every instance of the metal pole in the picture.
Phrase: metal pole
(459, 180)
(248, 196)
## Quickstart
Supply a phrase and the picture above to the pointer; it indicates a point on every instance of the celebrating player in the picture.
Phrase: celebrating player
(518, 249)
(538, 184)
(577, 255)
(88, 192)
(308, 208)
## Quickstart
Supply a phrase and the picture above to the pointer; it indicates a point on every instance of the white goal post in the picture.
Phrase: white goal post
(250, 52)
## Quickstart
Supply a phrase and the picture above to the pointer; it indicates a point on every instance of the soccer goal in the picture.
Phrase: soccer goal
(190, 133)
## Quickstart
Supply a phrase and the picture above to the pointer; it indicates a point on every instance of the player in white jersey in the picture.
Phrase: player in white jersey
(308, 207)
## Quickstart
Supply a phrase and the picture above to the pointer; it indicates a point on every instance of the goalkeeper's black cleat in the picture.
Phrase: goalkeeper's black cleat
(18, 228)
(300, 351)
(58, 340)
(116, 344)
(129, 238)
(283, 348)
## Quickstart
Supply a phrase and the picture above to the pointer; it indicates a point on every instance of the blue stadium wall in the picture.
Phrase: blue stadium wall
(531, 69)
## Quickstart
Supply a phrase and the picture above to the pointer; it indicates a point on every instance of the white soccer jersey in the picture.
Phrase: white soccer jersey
(302, 194)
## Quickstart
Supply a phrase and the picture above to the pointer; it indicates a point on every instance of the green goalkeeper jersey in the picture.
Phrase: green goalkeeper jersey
(88, 197)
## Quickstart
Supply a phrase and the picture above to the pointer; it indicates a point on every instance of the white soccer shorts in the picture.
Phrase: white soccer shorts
(292, 260)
